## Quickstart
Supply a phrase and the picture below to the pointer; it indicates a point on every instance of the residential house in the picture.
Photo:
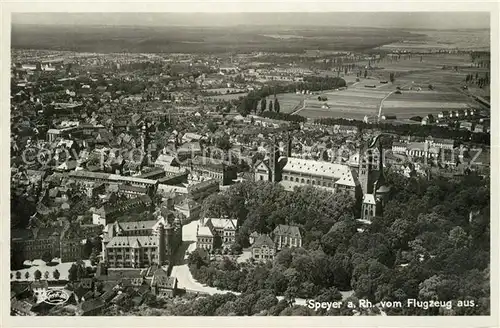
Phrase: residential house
(221, 232)
(92, 307)
(263, 249)
(164, 286)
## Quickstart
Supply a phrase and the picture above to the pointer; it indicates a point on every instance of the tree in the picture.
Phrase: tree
(46, 257)
(196, 259)
(18, 275)
(270, 106)
(276, 105)
(212, 127)
(38, 275)
(27, 275)
(77, 271)
(365, 74)
(94, 259)
(46, 275)
(56, 274)
(263, 104)
(391, 77)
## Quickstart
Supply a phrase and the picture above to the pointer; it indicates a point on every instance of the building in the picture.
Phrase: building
(163, 285)
(189, 208)
(109, 212)
(263, 249)
(132, 191)
(215, 233)
(399, 147)
(204, 238)
(142, 243)
(155, 173)
(369, 207)
(168, 163)
(201, 190)
(30, 244)
(296, 172)
(71, 244)
(201, 168)
(287, 236)
(86, 176)
(372, 180)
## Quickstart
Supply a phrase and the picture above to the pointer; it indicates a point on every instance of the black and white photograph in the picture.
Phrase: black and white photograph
(245, 164)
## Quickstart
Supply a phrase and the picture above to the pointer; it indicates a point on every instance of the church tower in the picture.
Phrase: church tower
(366, 170)
(288, 146)
(274, 169)
(161, 243)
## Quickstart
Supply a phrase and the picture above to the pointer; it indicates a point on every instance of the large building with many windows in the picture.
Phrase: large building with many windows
(296, 172)
(141, 243)
(216, 233)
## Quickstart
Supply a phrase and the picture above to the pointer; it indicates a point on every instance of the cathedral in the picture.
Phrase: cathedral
(363, 180)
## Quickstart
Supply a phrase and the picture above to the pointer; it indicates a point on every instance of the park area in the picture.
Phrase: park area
(28, 273)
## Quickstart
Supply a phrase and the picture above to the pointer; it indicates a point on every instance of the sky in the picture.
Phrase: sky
(413, 20)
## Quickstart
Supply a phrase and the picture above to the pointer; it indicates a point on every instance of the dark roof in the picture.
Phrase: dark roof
(43, 233)
(263, 240)
(286, 230)
(21, 306)
(81, 291)
(89, 294)
(124, 273)
(107, 296)
(92, 304)
(125, 187)
(383, 189)
(203, 184)
(39, 284)
(164, 281)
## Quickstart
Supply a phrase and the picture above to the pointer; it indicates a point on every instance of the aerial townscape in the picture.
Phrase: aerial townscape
(247, 170)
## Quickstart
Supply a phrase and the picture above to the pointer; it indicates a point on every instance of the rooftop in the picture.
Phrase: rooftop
(263, 240)
(286, 230)
(132, 241)
(311, 167)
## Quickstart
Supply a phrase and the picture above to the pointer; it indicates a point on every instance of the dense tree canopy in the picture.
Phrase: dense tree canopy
(432, 242)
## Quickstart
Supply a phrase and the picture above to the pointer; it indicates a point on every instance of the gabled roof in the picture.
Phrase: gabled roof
(92, 304)
(263, 240)
(164, 281)
(204, 231)
(221, 223)
(311, 167)
(369, 199)
(286, 230)
(132, 241)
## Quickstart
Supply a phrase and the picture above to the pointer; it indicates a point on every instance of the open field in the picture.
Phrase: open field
(446, 39)
(288, 101)
(182, 39)
(358, 101)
